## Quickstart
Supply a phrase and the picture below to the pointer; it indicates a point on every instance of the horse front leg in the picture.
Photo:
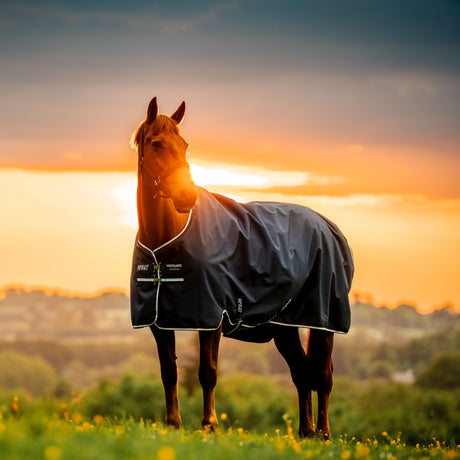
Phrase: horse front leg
(320, 348)
(209, 351)
(166, 344)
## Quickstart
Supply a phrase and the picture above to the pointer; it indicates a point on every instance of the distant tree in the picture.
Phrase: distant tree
(63, 389)
(32, 374)
(251, 361)
(55, 353)
(407, 316)
(455, 338)
(442, 373)
(380, 369)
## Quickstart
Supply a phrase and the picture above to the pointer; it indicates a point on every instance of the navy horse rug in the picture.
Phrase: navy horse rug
(247, 266)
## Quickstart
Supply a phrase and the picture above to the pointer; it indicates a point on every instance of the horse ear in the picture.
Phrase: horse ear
(152, 111)
(178, 115)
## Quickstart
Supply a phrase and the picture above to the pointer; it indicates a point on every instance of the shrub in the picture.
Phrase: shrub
(254, 403)
(31, 374)
(442, 373)
(138, 397)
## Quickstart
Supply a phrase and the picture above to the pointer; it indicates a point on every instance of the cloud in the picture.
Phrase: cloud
(144, 16)
(408, 83)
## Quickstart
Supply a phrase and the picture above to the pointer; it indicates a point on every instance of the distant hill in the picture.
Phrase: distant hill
(83, 338)
(401, 323)
(37, 315)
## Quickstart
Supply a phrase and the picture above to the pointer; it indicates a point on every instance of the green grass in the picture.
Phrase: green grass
(54, 432)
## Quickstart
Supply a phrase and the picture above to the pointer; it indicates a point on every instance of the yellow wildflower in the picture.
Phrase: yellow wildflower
(296, 447)
(77, 417)
(361, 451)
(15, 405)
(119, 430)
(98, 419)
(166, 453)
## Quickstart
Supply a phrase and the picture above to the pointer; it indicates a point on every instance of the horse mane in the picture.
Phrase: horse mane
(162, 123)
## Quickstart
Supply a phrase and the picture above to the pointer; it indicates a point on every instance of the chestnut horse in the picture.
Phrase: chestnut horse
(166, 195)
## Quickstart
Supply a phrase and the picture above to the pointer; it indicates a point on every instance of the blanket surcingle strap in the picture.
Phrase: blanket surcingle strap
(247, 266)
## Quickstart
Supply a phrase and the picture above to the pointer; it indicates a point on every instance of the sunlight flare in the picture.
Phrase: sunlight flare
(240, 176)
(124, 195)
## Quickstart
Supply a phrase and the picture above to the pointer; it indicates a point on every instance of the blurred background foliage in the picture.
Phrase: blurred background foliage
(396, 372)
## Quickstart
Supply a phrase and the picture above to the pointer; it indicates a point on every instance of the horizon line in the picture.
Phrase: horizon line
(357, 297)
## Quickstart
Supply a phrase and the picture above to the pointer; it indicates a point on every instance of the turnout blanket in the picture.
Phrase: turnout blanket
(247, 265)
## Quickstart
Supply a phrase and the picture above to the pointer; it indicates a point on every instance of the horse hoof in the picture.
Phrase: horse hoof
(174, 423)
(208, 428)
(323, 435)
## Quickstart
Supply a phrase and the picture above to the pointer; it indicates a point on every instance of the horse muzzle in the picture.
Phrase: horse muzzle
(185, 202)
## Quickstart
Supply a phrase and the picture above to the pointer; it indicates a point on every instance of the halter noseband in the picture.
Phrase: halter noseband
(157, 178)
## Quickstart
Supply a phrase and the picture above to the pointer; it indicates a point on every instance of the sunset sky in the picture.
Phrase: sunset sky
(351, 108)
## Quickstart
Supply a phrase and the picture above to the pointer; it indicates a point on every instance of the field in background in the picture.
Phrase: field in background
(73, 374)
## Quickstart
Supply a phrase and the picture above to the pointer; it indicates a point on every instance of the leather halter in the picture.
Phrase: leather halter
(157, 178)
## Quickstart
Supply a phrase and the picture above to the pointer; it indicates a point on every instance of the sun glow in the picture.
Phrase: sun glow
(124, 195)
(217, 176)
(245, 177)
(75, 231)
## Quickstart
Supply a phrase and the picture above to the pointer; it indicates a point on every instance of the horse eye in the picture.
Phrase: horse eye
(156, 144)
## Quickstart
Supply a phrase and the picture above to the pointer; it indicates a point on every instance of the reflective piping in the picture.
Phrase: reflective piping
(309, 327)
(182, 328)
(240, 325)
(162, 280)
(158, 270)
(167, 242)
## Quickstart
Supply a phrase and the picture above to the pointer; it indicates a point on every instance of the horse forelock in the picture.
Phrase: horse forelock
(134, 140)
(161, 124)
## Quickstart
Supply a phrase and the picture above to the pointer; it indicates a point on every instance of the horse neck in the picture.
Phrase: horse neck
(159, 221)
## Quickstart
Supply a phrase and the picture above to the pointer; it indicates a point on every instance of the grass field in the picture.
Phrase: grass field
(56, 433)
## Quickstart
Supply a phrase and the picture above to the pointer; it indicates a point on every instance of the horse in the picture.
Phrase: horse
(168, 205)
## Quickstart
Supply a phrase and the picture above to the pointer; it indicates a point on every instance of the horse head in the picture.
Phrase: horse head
(162, 157)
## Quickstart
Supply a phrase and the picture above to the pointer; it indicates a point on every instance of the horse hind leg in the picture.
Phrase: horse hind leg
(288, 343)
(166, 344)
(319, 355)
(209, 351)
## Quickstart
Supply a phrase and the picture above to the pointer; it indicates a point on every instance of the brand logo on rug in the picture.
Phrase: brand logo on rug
(142, 268)
(240, 305)
(174, 267)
